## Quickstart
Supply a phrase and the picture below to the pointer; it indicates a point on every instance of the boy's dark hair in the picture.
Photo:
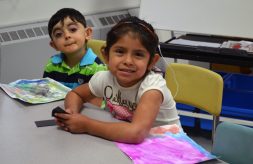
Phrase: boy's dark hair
(63, 13)
(143, 30)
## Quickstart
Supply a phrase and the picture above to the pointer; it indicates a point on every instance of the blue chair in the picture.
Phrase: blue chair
(233, 143)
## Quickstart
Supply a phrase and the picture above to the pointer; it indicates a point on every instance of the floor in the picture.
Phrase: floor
(202, 137)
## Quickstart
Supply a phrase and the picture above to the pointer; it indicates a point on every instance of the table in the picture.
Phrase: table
(21, 142)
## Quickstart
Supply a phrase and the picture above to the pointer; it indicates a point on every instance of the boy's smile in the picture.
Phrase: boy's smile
(128, 60)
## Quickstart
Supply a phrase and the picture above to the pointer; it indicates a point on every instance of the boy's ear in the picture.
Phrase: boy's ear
(51, 43)
(88, 32)
(154, 61)
(105, 56)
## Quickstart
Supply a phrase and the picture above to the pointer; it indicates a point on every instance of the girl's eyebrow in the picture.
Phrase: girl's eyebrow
(140, 50)
(136, 50)
(118, 46)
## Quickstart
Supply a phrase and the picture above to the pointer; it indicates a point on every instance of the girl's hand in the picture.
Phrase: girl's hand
(74, 123)
(69, 111)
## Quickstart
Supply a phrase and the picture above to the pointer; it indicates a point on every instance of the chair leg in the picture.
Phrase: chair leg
(216, 120)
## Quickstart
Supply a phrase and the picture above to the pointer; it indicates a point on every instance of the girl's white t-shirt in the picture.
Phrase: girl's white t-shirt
(122, 101)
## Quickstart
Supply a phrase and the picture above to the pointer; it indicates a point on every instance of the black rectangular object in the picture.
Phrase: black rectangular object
(44, 123)
(208, 54)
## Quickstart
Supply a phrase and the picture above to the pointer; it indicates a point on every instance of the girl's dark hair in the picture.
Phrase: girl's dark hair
(143, 30)
(63, 13)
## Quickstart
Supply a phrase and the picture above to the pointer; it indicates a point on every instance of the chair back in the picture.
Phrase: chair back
(233, 143)
(96, 46)
(196, 86)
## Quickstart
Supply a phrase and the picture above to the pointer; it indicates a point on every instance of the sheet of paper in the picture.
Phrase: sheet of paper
(195, 43)
(242, 45)
(36, 90)
(165, 146)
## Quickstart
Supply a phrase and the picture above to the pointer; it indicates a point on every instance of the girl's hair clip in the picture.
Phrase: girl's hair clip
(138, 23)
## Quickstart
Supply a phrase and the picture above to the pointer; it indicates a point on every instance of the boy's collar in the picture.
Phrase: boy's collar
(88, 58)
(57, 59)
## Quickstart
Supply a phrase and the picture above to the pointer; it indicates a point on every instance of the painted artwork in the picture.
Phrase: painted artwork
(166, 144)
(36, 91)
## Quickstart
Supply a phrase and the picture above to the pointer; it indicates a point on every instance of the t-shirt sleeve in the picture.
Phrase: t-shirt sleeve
(153, 81)
(97, 82)
(168, 113)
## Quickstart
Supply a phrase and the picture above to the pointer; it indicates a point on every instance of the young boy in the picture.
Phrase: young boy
(75, 64)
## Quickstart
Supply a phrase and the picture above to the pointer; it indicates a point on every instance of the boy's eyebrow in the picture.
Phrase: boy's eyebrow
(55, 29)
(59, 28)
(72, 23)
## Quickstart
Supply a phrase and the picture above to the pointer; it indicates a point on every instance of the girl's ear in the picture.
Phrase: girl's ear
(154, 61)
(51, 43)
(105, 56)
(88, 33)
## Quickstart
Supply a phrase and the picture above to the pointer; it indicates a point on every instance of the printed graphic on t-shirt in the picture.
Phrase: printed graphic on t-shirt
(119, 112)
(120, 107)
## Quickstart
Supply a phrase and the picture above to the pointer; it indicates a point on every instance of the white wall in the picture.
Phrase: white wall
(217, 17)
(13, 12)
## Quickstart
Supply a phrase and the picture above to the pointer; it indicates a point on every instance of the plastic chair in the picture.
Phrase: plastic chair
(198, 87)
(96, 45)
(233, 143)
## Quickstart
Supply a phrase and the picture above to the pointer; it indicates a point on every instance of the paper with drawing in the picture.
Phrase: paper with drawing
(166, 144)
(36, 91)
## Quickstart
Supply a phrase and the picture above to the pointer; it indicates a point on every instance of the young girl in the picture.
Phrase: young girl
(132, 91)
